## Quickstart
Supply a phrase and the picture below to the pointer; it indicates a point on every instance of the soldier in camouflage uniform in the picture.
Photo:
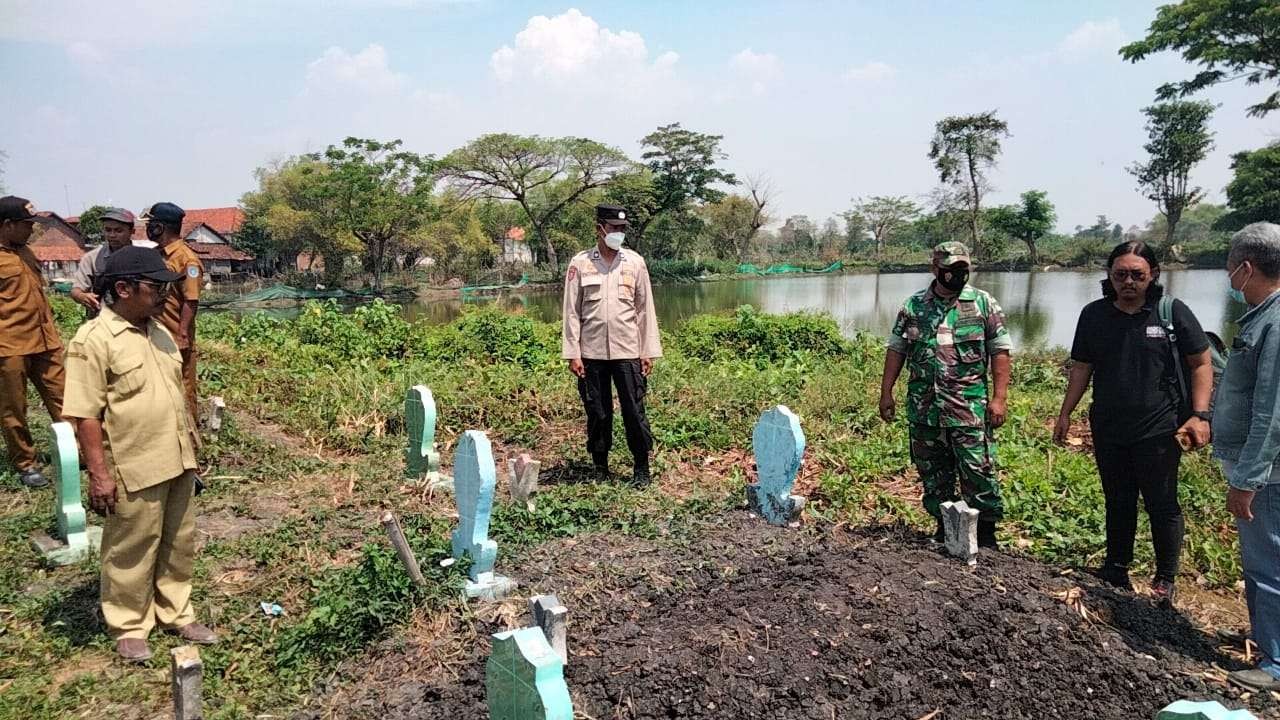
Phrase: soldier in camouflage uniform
(952, 336)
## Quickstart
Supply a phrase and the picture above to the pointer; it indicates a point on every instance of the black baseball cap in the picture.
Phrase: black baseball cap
(19, 209)
(135, 261)
(165, 212)
(612, 215)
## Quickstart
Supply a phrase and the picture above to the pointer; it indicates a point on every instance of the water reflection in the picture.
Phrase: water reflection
(1042, 308)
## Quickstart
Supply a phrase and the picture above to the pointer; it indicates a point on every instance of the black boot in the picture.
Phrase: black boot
(640, 476)
(601, 462)
(987, 534)
(939, 533)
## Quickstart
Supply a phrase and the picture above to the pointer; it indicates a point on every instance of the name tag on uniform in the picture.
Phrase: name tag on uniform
(1155, 331)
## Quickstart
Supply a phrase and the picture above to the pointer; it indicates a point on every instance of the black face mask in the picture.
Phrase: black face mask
(953, 279)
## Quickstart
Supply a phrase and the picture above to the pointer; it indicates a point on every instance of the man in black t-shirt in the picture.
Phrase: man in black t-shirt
(1139, 417)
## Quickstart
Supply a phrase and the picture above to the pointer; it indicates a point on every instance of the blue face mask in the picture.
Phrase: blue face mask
(1232, 292)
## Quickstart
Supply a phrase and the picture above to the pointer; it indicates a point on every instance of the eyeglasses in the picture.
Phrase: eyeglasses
(1134, 275)
(159, 287)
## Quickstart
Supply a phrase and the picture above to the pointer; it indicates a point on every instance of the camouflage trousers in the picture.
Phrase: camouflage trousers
(945, 455)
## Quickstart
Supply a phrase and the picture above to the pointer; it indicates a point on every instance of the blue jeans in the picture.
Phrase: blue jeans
(1260, 555)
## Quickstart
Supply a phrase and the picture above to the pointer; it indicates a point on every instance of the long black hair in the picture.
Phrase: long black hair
(1142, 250)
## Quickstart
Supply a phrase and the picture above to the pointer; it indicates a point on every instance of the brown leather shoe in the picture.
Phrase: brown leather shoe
(133, 650)
(196, 633)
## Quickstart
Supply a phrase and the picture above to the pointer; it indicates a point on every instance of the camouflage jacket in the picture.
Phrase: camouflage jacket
(947, 344)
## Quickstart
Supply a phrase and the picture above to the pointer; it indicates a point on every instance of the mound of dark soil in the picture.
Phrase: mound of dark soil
(758, 622)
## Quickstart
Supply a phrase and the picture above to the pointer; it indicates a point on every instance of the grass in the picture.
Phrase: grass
(313, 453)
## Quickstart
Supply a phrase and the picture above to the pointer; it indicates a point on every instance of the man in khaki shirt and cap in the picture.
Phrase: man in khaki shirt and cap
(117, 233)
(610, 337)
(125, 395)
(164, 228)
(30, 348)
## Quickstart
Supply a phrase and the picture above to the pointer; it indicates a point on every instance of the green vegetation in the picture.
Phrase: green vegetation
(314, 449)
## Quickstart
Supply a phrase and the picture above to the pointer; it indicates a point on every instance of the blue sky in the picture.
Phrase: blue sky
(143, 100)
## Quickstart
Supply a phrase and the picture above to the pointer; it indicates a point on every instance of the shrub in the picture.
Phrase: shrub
(489, 335)
(763, 338)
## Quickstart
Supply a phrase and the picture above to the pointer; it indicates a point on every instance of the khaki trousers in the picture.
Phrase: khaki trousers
(189, 383)
(148, 549)
(44, 370)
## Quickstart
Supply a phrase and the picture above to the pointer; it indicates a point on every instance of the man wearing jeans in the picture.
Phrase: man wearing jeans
(1246, 438)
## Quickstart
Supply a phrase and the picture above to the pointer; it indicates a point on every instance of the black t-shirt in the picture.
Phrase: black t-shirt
(1135, 396)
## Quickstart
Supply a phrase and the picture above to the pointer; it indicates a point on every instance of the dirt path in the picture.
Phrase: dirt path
(750, 621)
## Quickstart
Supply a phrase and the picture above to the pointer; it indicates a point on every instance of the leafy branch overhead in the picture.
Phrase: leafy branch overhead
(1229, 39)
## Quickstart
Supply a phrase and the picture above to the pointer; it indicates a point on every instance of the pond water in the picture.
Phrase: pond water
(1042, 308)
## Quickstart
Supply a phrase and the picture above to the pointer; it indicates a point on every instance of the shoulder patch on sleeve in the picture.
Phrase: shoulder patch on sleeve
(573, 273)
(193, 271)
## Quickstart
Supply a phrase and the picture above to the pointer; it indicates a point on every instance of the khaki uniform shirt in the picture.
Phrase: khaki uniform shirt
(608, 309)
(92, 265)
(132, 381)
(26, 320)
(180, 258)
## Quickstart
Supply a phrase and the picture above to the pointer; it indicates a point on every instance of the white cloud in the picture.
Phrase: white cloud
(872, 72)
(1092, 38)
(757, 70)
(572, 47)
(368, 71)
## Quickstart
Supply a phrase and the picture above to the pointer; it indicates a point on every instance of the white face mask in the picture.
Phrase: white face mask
(614, 240)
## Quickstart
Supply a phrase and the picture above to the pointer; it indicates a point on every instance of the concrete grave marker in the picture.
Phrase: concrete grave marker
(524, 678)
(76, 539)
(523, 473)
(1187, 710)
(549, 615)
(422, 459)
(217, 407)
(186, 681)
(475, 478)
(778, 443)
(960, 526)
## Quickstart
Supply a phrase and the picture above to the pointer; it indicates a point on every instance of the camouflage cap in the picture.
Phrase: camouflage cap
(949, 253)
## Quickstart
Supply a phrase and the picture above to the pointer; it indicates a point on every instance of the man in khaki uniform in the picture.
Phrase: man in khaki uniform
(164, 228)
(117, 233)
(124, 389)
(610, 335)
(30, 348)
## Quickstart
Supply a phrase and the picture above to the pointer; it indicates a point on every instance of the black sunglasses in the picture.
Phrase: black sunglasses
(1134, 275)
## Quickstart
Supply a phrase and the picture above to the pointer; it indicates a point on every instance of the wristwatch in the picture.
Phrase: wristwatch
(1204, 415)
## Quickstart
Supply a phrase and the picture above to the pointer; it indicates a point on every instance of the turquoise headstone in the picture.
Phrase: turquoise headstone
(474, 477)
(778, 443)
(1187, 710)
(75, 538)
(524, 678)
(420, 421)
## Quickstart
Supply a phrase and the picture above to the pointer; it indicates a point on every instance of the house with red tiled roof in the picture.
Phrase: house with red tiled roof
(58, 246)
(209, 232)
(515, 251)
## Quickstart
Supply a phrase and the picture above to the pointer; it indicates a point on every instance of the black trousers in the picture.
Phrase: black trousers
(1149, 468)
(596, 390)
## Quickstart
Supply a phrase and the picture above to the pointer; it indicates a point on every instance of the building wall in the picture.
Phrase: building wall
(202, 234)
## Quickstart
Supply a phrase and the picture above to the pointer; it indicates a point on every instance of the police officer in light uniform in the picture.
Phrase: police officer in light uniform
(30, 349)
(610, 338)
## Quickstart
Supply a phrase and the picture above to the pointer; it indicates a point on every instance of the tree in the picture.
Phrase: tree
(458, 243)
(797, 237)
(1178, 138)
(1229, 39)
(292, 212)
(1254, 192)
(855, 231)
(1028, 222)
(90, 224)
(682, 165)
(885, 216)
(542, 175)
(379, 194)
(735, 220)
(963, 148)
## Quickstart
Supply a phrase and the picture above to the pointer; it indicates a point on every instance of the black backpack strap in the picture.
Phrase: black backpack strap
(1164, 310)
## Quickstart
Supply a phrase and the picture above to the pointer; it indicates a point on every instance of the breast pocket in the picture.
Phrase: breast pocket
(627, 289)
(971, 346)
(592, 288)
(125, 378)
(10, 279)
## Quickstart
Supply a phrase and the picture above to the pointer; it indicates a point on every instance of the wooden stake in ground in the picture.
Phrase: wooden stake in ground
(402, 548)
(187, 670)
